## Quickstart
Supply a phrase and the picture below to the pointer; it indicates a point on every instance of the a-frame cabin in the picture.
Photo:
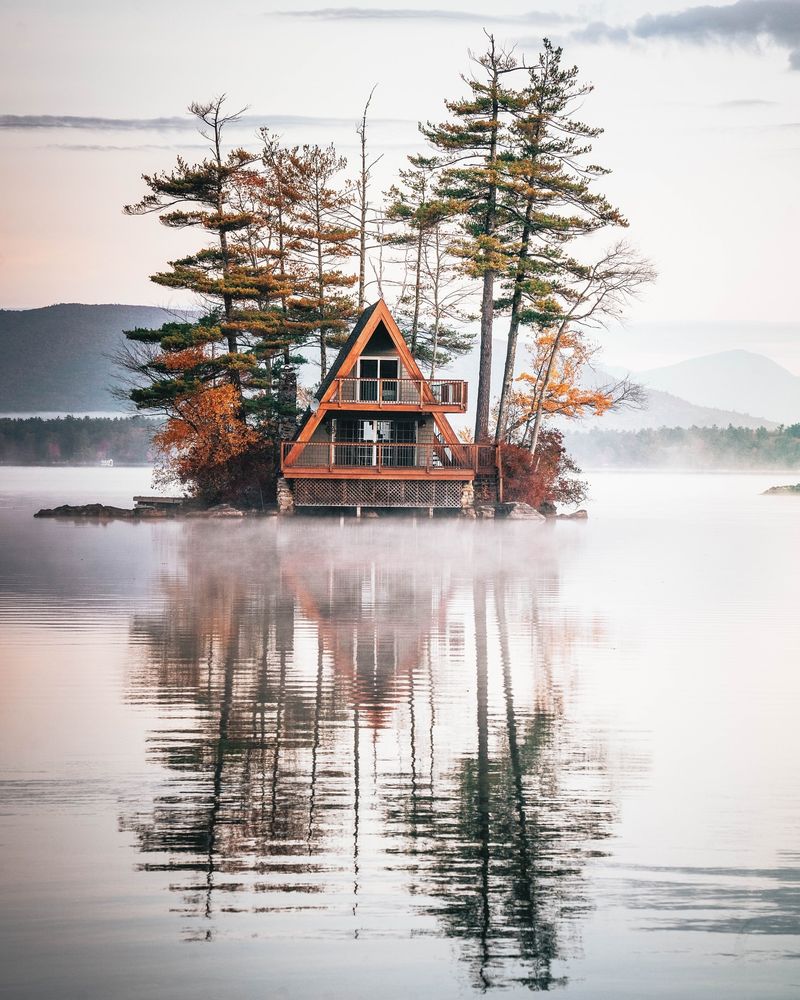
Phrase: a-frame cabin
(377, 433)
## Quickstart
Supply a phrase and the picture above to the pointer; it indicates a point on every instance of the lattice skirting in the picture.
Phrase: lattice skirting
(372, 493)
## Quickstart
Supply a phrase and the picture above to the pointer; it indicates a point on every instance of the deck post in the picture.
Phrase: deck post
(358, 512)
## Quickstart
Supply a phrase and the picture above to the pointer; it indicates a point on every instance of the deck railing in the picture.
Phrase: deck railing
(480, 458)
(440, 392)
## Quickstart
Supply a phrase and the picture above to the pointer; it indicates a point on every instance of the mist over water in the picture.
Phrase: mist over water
(302, 758)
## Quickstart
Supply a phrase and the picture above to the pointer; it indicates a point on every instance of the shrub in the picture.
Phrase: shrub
(546, 477)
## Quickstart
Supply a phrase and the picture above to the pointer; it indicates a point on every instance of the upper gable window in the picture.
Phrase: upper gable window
(378, 379)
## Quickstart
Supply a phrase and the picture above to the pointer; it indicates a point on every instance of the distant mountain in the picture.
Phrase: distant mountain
(662, 409)
(60, 357)
(666, 410)
(732, 380)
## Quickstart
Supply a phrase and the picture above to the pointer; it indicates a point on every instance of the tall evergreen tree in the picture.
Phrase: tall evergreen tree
(545, 196)
(432, 290)
(226, 382)
(472, 144)
(327, 243)
(243, 294)
(413, 203)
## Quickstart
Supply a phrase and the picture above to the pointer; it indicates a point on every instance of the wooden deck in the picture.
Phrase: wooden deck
(375, 460)
(403, 395)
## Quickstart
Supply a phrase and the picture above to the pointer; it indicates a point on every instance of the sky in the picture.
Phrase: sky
(700, 107)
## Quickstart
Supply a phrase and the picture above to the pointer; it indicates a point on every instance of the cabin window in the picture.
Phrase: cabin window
(378, 379)
(375, 442)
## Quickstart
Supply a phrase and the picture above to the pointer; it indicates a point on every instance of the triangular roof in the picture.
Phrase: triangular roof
(349, 354)
(347, 347)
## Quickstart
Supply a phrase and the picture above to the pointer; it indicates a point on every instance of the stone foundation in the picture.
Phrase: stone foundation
(285, 497)
(485, 490)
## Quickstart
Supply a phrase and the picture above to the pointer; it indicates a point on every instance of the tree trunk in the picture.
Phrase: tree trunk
(362, 222)
(417, 294)
(323, 354)
(485, 371)
(513, 327)
(537, 423)
(487, 301)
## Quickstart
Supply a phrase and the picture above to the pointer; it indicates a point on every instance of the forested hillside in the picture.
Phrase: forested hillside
(60, 357)
(688, 448)
(76, 441)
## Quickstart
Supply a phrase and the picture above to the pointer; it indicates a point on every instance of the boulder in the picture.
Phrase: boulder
(576, 515)
(547, 509)
(220, 510)
(516, 511)
(485, 510)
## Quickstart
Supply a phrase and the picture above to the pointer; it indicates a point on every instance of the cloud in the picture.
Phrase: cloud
(421, 14)
(177, 123)
(743, 23)
(746, 102)
(99, 147)
(93, 123)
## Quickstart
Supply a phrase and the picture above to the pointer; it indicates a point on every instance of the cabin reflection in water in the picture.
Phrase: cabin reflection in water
(361, 741)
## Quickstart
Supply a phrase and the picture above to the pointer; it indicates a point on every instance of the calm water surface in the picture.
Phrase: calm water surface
(436, 759)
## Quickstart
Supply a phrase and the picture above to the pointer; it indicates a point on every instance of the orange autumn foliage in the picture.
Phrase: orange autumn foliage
(197, 447)
(182, 361)
(544, 479)
(563, 395)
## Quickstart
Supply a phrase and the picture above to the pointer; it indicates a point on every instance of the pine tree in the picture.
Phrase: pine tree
(243, 293)
(472, 144)
(432, 290)
(220, 378)
(327, 243)
(545, 196)
(414, 204)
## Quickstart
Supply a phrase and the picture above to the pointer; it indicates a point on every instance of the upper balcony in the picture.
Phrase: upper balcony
(399, 394)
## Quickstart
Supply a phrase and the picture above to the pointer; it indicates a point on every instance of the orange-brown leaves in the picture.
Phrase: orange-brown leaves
(181, 361)
(208, 433)
(562, 394)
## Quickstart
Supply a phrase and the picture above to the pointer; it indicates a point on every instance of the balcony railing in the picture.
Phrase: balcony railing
(379, 457)
(423, 394)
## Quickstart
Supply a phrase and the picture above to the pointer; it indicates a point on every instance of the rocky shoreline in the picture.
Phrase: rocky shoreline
(105, 512)
(193, 510)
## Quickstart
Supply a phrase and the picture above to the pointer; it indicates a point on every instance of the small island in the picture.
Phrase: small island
(782, 491)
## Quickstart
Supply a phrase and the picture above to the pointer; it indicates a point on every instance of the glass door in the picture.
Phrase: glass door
(378, 379)
(372, 442)
(388, 369)
(368, 380)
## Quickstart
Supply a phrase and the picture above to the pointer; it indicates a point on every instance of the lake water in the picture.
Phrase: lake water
(302, 759)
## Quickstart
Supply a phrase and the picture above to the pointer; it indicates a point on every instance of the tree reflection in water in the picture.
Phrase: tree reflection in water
(364, 732)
